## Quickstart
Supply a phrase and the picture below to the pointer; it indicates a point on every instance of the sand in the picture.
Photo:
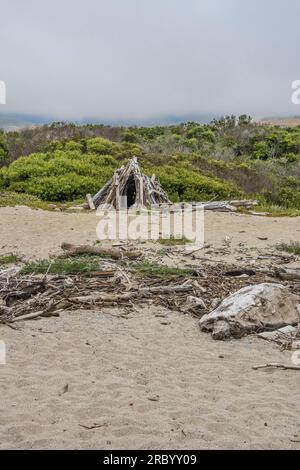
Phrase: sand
(36, 234)
(149, 381)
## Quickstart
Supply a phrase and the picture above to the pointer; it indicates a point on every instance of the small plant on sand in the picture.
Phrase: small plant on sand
(292, 247)
(82, 264)
(173, 241)
(148, 269)
(10, 258)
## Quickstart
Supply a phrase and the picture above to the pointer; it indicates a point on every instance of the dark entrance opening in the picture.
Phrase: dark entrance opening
(130, 191)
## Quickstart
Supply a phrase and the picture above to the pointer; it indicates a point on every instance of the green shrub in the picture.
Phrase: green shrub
(11, 198)
(59, 188)
(183, 184)
(289, 197)
(3, 148)
(101, 146)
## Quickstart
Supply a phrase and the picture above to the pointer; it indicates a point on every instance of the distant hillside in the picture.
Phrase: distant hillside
(283, 121)
(12, 122)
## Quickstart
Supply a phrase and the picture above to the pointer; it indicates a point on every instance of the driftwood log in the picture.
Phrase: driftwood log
(221, 206)
(228, 206)
(114, 253)
(139, 293)
(31, 316)
(288, 274)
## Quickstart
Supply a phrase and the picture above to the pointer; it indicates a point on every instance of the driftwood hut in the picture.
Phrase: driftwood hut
(129, 188)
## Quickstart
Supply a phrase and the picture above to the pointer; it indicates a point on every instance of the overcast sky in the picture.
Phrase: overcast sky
(138, 59)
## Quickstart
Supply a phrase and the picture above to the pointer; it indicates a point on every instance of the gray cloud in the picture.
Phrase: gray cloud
(120, 59)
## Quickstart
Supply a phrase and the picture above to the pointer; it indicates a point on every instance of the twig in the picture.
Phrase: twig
(93, 426)
(276, 366)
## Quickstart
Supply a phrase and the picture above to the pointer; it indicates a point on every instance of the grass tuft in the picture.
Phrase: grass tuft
(62, 266)
(173, 241)
(10, 258)
(148, 269)
(292, 247)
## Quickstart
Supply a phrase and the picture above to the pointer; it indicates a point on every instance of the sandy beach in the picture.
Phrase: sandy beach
(147, 380)
(37, 234)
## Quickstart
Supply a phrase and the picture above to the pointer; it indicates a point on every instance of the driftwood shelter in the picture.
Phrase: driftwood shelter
(129, 188)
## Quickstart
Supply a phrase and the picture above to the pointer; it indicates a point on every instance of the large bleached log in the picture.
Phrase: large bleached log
(253, 309)
(228, 206)
(221, 206)
(74, 250)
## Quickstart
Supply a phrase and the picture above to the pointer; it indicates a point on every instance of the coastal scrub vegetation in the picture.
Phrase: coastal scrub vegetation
(228, 158)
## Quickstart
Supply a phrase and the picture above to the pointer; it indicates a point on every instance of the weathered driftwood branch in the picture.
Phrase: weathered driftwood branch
(31, 316)
(288, 274)
(74, 250)
(223, 206)
(228, 206)
(142, 292)
(104, 298)
(166, 289)
(276, 366)
(90, 202)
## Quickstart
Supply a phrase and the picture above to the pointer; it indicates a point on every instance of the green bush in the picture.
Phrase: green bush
(184, 184)
(3, 148)
(101, 146)
(58, 188)
(289, 197)
(59, 176)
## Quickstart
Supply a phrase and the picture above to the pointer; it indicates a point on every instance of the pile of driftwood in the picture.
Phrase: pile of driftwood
(217, 206)
(29, 297)
(117, 283)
